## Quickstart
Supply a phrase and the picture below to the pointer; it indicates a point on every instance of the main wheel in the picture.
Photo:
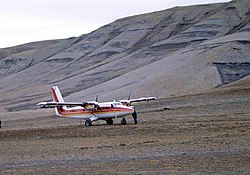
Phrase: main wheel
(123, 121)
(109, 121)
(88, 123)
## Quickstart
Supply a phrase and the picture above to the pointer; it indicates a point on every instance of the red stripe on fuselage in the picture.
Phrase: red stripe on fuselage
(82, 111)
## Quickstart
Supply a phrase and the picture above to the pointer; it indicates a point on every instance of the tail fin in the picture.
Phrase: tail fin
(57, 97)
(56, 94)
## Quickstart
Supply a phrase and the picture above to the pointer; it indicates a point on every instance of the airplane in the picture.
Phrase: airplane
(91, 111)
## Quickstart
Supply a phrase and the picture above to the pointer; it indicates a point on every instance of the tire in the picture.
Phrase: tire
(109, 121)
(88, 123)
(123, 121)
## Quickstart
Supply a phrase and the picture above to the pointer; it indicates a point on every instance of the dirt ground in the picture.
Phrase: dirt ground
(200, 134)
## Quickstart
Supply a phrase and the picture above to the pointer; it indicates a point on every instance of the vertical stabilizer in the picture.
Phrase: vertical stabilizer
(57, 97)
(56, 94)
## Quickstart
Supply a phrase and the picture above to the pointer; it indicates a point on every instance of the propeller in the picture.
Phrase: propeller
(129, 96)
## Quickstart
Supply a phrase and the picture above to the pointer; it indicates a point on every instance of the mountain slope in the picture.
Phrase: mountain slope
(178, 51)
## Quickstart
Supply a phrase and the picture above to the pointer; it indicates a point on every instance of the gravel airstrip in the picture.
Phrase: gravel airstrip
(197, 134)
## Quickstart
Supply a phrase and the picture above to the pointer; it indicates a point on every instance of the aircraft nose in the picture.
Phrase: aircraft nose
(131, 109)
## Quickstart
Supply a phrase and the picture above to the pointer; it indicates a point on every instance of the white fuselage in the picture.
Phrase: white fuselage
(100, 111)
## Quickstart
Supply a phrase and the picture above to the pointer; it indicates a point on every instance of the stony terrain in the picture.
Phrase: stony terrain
(195, 60)
(178, 51)
(198, 134)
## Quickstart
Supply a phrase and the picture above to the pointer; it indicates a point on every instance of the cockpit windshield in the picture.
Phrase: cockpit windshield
(117, 103)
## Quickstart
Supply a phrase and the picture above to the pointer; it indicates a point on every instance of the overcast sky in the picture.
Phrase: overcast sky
(23, 21)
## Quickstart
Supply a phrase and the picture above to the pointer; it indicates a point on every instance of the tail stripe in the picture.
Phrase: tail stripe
(57, 97)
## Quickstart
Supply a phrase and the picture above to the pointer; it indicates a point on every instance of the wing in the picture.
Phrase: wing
(137, 100)
(58, 104)
(142, 99)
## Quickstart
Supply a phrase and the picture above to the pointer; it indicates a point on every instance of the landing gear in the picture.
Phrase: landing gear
(88, 123)
(109, 121)
(135, 117)
(123, 121)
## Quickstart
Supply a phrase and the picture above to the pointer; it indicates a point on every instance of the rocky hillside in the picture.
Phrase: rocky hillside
(178, 51)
